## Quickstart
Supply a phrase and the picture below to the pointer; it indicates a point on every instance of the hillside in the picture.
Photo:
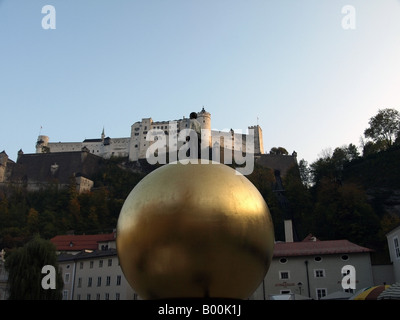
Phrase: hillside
(361, 206)
(379, 175)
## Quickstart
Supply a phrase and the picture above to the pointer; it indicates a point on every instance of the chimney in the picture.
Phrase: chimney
(288, 230)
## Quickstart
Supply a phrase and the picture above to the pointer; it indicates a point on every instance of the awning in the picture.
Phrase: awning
(391, 293)
(370, 293)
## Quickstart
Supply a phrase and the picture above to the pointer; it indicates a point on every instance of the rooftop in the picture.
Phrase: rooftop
(81, 242)
(312, 246)
(87, 255)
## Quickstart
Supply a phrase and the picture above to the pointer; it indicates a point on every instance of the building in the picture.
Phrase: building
(35, 171)
(393, 239)
(312, 268)
(90, 268)
(74, 244)
(135, 146)
(94, 275)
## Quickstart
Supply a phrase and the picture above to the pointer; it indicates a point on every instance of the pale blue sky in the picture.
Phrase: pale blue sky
(312, 84)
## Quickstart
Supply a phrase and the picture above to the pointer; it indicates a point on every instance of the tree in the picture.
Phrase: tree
(24, 266)
(343, 212)
(305, 173)
(384, 127)
(331, 165)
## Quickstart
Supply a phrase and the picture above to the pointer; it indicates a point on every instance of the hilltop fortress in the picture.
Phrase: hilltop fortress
(136, 146)
(58, 162)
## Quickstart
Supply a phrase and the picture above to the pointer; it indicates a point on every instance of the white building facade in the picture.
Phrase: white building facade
(313, 269)
(135, 146)
(393, 239)
(94, 275)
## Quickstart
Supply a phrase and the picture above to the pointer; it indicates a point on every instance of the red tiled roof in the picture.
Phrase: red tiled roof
(80, 242)
(305, 248)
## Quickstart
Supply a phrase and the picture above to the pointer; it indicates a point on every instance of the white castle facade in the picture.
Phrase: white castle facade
(136, 146)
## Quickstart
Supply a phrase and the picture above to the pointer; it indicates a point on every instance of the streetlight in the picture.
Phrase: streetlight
(300, 285)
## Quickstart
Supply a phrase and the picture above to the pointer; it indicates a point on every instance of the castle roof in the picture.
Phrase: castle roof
(93, 140)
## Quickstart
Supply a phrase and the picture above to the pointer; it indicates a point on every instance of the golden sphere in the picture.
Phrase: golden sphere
(194, 231)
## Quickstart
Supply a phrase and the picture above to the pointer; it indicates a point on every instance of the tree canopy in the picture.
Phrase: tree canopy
(384, 128)
(24, 266)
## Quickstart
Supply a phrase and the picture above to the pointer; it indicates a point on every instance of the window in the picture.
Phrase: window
(89, 282)
(107, 296)
(97, 296)
(99, 281)
(318, 259)
(117, 296)
(66, 278)
(345, 257)
(88, 296)
(91, 264)
(108, 280)
(319, 273)
(78, 297)
(321, 292)
(396, 247)
(81, 265)
(79, 282)
(109, 262)
(65, 295)
(100, 263)
(282, 260)
(284, 275)
(118, 280)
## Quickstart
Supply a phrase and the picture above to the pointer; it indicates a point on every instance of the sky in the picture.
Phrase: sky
(292, 66)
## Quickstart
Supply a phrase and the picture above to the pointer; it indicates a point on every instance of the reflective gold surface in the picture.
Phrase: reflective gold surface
(192, 231)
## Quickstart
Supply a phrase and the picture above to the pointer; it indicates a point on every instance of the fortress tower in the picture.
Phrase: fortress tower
(204, 118)
(42, 144)
(258, 140)
(3, 165)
